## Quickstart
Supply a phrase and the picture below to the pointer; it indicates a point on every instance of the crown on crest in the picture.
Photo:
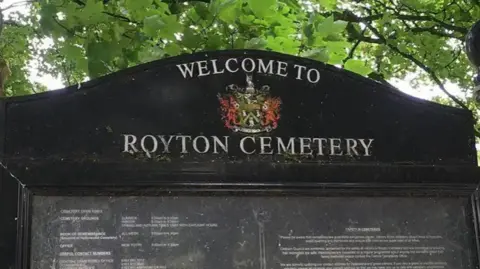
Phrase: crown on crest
(250, 87)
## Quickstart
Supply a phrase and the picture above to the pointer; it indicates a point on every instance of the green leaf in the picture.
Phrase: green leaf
(82, 65)
(333, 37)
(335, 58)
(191, 39)
(402, 47)
(255, 43)
(152, 24)
(170, 27)
(325, 27)
(102, 50)
(338, 47)
(160, 6)
(214, 42)
(358, 67)
(71, 51)
(330, 27)
(339, 26)
(166, 26)
(274, 44)
(138, 5)
(118, 31)
(47, 13)
(412, 3)
(319, 54)
(308, 30)
(202, 10)
(246, 19)
(227, 11)
(131, 55)
(327, 4)
(172, 49)
(96, 68)
(290, 45)
(261, 7)
(148, 54)
(292, 3)
(92, 12)
(239, 43)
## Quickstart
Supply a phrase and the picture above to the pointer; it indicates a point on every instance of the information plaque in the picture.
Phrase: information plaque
(269, 232)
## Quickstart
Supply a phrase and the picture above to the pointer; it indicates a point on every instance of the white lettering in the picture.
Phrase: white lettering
(245, 66)
(227, 65)
(202, 68)
(129, 143)
(320, 144)
(290, 148)
(335, 147)
(186, 69)
(305, 145)
(242, 145)
(300, 69)
(205, 141)
(154, 146)
(166, 143)
(366, 146)
(265, 143)
(248, 65)
(184, 142)
(282, 69)
(215, 69)
(218, 143)
(351, 146)
(317, 75)
(268, 69)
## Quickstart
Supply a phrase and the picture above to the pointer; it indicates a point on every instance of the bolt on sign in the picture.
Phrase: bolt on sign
(236, 159)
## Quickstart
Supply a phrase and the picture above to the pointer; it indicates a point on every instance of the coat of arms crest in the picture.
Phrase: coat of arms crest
(249, 110)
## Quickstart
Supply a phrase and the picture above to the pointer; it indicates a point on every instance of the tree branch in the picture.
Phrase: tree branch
(425, 68)
(12, 23)
(17, 4)
(380, 78)
(66, 29)
(5, 73)
(432, 19)
(2, 23)
(442, 87)
(352, 50)
(351, 17)
(78, 2)
(123, 18)
(454, 58)
(433, 31)
(355, 35)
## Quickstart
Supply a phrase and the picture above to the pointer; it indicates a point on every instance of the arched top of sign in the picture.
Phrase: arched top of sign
(308, 73)
(240, 105)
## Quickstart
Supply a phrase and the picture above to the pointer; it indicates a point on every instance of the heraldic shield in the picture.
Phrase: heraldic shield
(249, 110)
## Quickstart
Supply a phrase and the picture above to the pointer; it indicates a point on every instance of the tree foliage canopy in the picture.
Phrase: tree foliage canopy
(382, 39)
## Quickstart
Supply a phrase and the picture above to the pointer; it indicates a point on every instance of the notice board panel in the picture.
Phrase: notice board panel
(281, 232)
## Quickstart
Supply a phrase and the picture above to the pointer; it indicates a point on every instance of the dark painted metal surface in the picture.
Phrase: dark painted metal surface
(86, 125)
(70, 141)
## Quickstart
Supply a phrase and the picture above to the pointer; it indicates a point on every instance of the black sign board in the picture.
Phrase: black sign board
(237, 159)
